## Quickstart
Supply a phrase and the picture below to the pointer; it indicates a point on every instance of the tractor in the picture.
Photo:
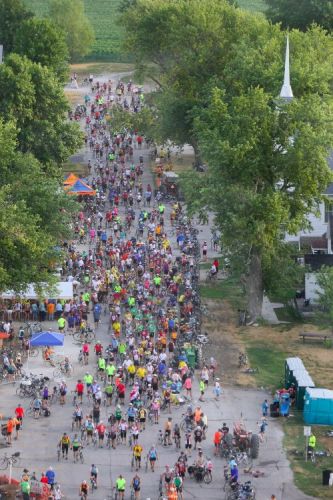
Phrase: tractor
(245, 440)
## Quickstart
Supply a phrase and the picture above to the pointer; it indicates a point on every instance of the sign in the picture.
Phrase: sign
(307, 431)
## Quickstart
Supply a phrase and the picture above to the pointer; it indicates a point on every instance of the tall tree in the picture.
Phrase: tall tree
(42, 42)
(198, 49)
(267, 171)
(301, 13)
(12, 14)
(183, 46)
(32, 96)
(34, 215)
(69, 16)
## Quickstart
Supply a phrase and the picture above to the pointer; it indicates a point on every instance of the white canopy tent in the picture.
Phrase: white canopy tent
(63, 290)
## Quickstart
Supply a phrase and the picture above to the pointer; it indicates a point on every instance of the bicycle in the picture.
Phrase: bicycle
(63, 370)
(6, 461)
(31, 328)
(93, 483)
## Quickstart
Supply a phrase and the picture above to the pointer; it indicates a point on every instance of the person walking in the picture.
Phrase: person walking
(202, 387)
(264, 408)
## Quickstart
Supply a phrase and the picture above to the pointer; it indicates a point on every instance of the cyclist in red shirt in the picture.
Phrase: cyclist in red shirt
(101, 432)
(121, 392)
(98, 348)
(79, 390)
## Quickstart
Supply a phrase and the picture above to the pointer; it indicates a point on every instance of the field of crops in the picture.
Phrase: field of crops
(254, 5)
(104, 19)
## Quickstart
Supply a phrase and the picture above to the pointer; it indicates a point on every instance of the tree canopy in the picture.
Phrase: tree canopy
(70, 17)
(32, 96)
(35, 214)
(301, 13)
(12, 15)
(41, 42)
(219, 70)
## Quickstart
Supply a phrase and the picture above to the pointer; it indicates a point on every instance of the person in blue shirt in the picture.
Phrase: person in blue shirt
(264, 408)
(97, 313)
(131, 412)
(50, 474)
(162, 368)
(180, 240)
(234, 473)
(114, 344)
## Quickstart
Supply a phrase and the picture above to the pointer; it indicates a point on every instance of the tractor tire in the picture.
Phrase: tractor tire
(254, 448)
(228, 440)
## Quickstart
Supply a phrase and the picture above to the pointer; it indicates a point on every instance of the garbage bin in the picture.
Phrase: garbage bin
(190, 358)
(326, 476)
(274, 409)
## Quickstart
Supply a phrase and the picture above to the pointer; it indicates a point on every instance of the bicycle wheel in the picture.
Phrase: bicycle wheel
(79, 338)
(207, 477)
(57, 373)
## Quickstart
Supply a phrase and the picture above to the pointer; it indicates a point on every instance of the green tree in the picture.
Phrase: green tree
(301, 13)
(31, 95)
(197, 49)
(267, 171)
(42, 42)
(12, 14)
(185, 46)
(70, 17)
(325, 296)
(34, 214)
(282, 275)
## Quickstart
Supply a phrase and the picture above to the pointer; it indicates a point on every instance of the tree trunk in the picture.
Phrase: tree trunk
(254, 285)
(197, 156)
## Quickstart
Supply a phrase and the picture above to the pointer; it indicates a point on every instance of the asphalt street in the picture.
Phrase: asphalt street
(38, 439)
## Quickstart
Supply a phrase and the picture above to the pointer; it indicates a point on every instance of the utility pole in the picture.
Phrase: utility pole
(1, 53)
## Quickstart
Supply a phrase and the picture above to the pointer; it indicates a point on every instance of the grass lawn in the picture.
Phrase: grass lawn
(270, 363)
(308, 475)
(227, 289)
(288, 314)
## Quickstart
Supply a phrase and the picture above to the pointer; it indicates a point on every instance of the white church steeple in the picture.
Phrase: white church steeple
(286, 90)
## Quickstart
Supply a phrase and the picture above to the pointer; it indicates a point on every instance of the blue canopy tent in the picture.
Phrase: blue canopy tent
(81, 188)
(47, 338)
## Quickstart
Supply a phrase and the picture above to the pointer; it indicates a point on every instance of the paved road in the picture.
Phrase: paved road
(37, 442)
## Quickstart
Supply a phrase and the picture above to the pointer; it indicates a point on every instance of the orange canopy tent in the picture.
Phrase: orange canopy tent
(70, 179)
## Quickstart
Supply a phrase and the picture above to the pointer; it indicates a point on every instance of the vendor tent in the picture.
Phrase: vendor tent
(70, 179)
(81, 188)
(47, 339)
(63, 290)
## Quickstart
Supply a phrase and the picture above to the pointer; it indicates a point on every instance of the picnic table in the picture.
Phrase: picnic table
(316, 336)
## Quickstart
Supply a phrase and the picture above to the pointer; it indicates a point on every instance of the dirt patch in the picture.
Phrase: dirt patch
(227, 340)
(316, 357)
(225, 344)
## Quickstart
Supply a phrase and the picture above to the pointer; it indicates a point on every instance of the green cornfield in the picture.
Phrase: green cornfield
(103, 16)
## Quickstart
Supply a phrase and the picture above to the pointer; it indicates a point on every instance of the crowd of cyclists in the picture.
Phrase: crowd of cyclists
(131, 273)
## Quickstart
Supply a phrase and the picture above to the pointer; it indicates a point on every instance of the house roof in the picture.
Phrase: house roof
(315, 242)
